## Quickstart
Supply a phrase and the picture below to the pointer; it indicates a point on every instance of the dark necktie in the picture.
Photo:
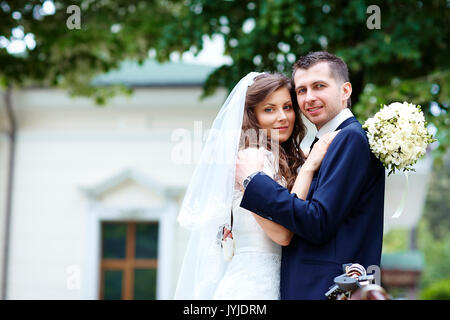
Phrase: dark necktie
(312, 144)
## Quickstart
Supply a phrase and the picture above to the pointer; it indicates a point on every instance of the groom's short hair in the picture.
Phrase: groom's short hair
(338, 68)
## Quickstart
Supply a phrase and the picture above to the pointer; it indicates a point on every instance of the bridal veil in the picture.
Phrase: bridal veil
(208, 199)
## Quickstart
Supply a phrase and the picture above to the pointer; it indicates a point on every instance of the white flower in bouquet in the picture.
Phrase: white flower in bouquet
(398, 136)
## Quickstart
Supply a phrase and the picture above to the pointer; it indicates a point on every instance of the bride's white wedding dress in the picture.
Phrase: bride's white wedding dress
(254, 271)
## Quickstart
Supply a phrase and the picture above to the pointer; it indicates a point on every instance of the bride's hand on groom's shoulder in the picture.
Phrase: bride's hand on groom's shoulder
(315, 157)
(305, 152)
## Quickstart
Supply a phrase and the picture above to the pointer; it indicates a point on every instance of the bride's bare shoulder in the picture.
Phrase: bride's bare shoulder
(253, 150)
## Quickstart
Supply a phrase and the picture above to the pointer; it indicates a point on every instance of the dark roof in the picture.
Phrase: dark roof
(151, 74)
(406, 260)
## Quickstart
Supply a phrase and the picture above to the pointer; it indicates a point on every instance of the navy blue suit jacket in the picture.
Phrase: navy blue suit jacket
(341, 221)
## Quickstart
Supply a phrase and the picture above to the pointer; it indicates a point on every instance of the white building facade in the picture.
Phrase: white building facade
(79, 166)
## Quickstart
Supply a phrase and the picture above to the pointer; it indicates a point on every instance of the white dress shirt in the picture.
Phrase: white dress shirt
(334, 123)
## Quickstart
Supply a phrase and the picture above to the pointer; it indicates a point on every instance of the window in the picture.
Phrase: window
(129, 260)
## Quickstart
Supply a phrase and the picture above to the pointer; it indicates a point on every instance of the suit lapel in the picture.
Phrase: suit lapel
(313, 186)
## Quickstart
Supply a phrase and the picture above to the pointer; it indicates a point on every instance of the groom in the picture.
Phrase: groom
(341, 220)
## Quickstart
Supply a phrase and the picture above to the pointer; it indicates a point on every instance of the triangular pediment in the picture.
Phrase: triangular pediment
(130, 187)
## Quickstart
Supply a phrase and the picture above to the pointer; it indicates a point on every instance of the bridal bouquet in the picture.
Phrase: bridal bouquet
(398, 135)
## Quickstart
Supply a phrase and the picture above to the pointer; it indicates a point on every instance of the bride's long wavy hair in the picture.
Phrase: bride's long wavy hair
(290, 154)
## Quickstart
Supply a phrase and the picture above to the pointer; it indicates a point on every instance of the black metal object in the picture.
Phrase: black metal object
(354, 278)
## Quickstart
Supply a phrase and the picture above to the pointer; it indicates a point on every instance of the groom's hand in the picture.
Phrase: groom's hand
(249, 161)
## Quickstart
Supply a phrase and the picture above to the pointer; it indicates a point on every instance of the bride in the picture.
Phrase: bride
(260, 115)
